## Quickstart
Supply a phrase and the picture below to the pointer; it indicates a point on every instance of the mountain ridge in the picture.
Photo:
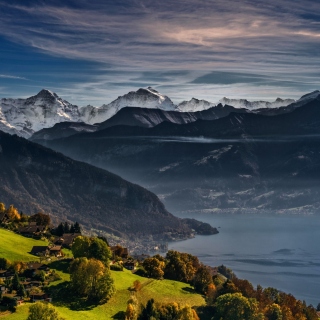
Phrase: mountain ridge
(27, 116)
(35, 178)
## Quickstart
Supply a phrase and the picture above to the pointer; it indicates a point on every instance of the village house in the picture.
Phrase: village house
(32, 230)
(42, 296)
(46, 251)
(34, 267)
(55, 251)
(6, 275)
(40, 251)
(130, 264)
(66, 240)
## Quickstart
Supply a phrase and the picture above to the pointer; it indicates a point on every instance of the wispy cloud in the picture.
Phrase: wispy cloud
(7, 76)
(273, 43)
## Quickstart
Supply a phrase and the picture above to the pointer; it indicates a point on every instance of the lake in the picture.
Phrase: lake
(274, 251)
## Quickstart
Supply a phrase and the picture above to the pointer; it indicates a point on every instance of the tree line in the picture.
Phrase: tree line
(227, 297)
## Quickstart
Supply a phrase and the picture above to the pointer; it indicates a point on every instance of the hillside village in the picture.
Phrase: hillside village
(59, 266)
(35, 275)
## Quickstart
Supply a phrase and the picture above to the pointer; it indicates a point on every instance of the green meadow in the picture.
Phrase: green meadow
(15, 247)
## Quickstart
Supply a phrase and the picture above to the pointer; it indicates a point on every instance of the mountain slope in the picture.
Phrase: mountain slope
(133, 116)
(35, 178)
(247, 161)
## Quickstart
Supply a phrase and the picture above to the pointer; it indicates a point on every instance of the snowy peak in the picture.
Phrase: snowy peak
(43, 110)
(194, 105)
(252, 105)
(312, 95)
(142, 98)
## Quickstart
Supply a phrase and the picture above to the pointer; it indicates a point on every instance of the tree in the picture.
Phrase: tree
(43, 311)
(154, 268)
(15, 282)
(19, 266)
(41, 219)
(4, 264)
(149, 311)
(13, 213)
(132, 309)
(136, 285)
(202, 279)
(235, 306)
(91, 278)
(66, 227)
(59, 231)
(286, 313)
(273, 312)
(318, 307)
(226, 272)
(99, 250)
(77, 228)
(80, 247)
(21, 291)
(91, 248)
(2, 207)
(211, 294)
(181, 266)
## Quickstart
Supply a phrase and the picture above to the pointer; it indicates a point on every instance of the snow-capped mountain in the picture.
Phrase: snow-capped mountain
(26, 116)
(194, 105)
(252, 105)
(143, 98)
(44, 110)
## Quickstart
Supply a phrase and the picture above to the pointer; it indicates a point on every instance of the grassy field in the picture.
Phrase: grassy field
(160, 290)
(15, 247)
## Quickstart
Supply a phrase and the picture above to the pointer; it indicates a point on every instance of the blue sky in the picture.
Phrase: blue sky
(90, 52)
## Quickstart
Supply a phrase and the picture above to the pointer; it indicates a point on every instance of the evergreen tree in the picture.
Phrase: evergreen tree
(15, 284)
(72, 228)
(21, 291)
(60, 230)
(77, 228)
(66, 227)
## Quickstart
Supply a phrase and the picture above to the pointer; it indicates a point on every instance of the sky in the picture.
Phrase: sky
(91, 52)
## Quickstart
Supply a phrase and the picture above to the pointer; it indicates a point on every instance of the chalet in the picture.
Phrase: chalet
(33, 267)
(40, 251)
(32, 230)
(27, 285)
(66, 240)
(130, 264)
(40, 297)
(55, 251)
(6, 275)
(4, 218)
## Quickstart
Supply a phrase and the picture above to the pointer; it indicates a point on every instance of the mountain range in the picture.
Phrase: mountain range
(220, 158)
(27, 116)
(241, 162)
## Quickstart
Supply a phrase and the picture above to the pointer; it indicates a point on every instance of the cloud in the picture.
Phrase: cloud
(6, 76)
(210, 45)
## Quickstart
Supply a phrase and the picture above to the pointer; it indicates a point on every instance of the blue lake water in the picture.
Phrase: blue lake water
(274, 251)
